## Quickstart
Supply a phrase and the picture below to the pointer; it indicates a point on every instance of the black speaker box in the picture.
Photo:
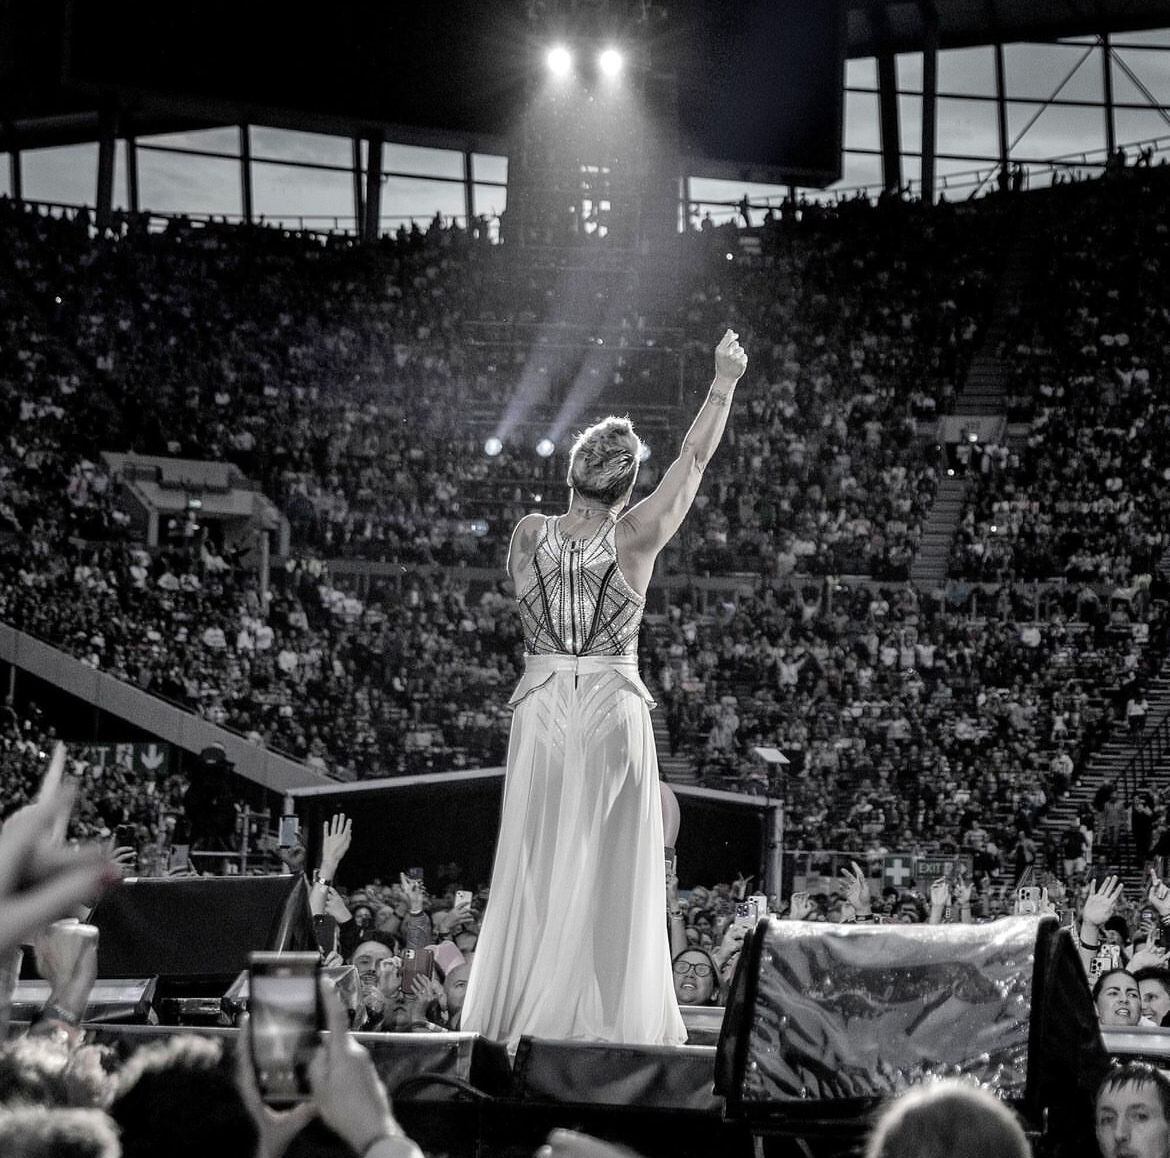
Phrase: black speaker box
(826, 1021)
(199, 928)
(604, 1074)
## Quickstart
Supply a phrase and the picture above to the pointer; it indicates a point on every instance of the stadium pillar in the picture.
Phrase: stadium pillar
(1107, 94)
(374, 188)
(131, 145)
(1001, 107)
(107, 142)
(359, 202)
(15, 175)
(888, 115)
(929, 100)
(468, 189)
(246, 173)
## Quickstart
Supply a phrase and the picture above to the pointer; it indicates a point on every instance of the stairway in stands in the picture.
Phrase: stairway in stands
(984, 395)
(1111, 760)
(934, 549)
(1108, 763)
(675, 769)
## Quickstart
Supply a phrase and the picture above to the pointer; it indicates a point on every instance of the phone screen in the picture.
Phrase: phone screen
(285, 1023)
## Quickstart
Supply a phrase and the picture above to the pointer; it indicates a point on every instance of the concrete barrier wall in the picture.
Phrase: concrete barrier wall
(148, 712)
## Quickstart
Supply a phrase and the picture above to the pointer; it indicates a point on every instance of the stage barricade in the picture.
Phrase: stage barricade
(826, 1021)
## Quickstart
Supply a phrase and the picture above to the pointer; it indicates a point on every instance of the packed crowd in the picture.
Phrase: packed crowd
(315, 367)
(910, 721)
(1081, 497)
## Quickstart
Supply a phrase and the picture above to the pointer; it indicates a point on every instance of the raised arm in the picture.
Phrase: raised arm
(649, 525)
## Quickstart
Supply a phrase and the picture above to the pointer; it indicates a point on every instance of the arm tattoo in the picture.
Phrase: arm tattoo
(717, 399)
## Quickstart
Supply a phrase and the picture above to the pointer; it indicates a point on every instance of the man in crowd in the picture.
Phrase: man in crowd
(1133, 1113)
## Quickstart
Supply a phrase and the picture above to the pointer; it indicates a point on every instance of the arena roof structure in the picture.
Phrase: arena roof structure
(202, 63)
(759, 85)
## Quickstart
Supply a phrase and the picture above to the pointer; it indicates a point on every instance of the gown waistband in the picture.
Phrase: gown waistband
(539, 669)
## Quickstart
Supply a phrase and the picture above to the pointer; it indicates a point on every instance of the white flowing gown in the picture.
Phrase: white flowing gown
(574, 942)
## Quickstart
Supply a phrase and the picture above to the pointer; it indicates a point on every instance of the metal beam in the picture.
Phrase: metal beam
(107, 144)
(929, 98)
(373, 188)
(131, 153)
(1001, 106)
(359, 200)
(888, 115)
(1107, 93)
(246, 204)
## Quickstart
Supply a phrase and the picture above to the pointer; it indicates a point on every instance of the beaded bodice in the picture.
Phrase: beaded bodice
(577, 601)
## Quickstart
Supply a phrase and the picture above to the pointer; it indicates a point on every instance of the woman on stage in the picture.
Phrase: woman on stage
(574, 940)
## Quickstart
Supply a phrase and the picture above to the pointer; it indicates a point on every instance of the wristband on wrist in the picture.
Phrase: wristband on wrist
(54, 1012)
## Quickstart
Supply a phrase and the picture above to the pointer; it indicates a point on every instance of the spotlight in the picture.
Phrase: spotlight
(559, 60)
(492, 447)
(972, 436)
(545, 447)
(644, 453)
(610, 62)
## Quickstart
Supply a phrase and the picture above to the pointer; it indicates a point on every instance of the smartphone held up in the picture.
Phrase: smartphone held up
(285, 1022)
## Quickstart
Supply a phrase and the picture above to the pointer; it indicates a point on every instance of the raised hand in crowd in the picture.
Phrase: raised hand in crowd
(42, 879)
(415, 892)
(423, 992)
(347, 1095)
(1100, 904)
(1159, 897)
(856, 888)
(1151, 955)
(964, 890)
(126, 858)
(800, 907)
(336, 836)
(940, 897)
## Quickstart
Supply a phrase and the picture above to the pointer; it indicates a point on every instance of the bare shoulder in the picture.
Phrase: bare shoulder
(525, 537)
(528, 530)
(635, 559)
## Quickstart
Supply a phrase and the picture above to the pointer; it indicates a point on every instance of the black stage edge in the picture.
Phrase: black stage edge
(457, 1094)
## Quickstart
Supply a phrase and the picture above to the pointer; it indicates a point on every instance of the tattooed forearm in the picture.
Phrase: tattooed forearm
(717, 398)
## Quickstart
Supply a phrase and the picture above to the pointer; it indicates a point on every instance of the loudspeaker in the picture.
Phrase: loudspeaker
(199, 928)
(825, 1021)
(603, 1074)
(110, 1002)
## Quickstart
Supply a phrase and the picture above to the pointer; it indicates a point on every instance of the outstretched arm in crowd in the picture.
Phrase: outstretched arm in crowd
(649, 525)
(857, 891)
(323, 898)
(1099, 906)
(42, 879)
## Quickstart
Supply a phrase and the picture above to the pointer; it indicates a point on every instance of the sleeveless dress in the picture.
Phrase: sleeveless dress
(574, 943)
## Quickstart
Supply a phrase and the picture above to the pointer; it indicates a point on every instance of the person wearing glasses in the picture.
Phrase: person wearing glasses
(696, 977)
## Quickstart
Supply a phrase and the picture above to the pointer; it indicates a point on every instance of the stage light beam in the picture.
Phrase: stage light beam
(492, 447)
(545, 447)
(610, 62)
(559, 60)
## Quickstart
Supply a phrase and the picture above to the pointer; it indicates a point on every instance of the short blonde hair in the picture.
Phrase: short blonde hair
(604, 460)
